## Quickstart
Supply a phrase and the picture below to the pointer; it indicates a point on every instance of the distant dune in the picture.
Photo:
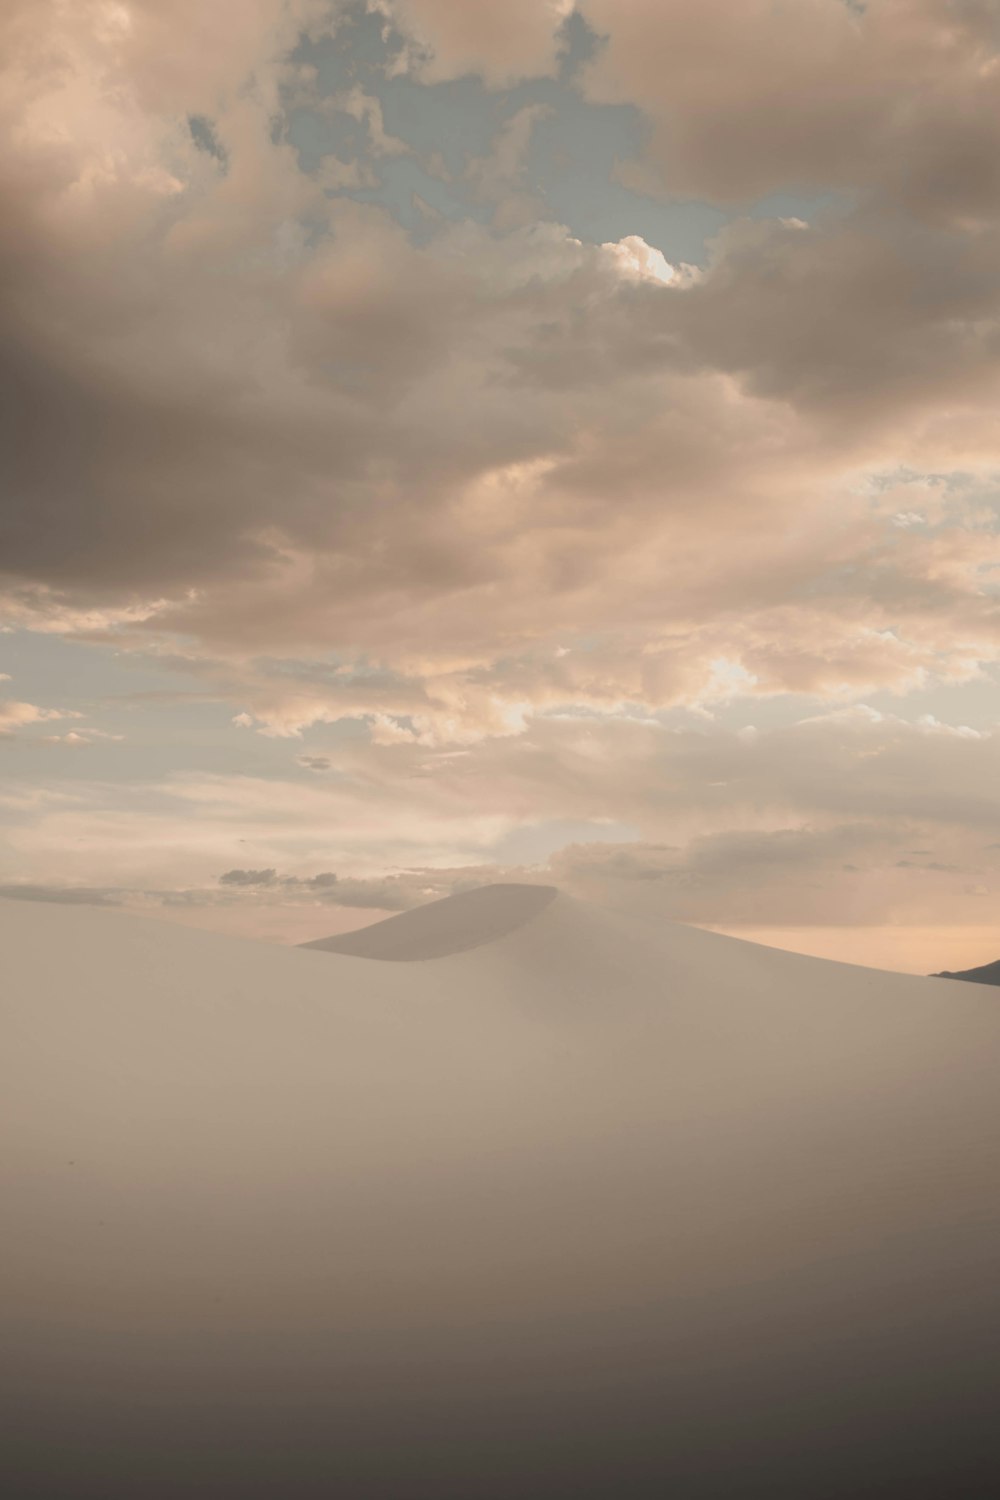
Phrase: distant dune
(557, 1203)
(985, 974)
(455, 925)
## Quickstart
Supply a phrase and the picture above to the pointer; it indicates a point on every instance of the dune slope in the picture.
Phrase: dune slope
(597, 1207)
(985, 974)
(454, 925)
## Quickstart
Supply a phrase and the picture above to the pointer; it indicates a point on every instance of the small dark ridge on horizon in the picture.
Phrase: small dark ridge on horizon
(985, 974)
(455, 924)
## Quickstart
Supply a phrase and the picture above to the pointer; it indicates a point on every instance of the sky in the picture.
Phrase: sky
(542, 441)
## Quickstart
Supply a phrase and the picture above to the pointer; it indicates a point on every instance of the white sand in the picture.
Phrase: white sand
(600, 1206)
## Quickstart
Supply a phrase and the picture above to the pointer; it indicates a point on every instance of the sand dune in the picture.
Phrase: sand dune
(454, 925)
(595, 1206)
(985, 974)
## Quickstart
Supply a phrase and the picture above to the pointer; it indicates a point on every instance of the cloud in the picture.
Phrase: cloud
(896, 97)
(500, 42)
(63, 895)
(809, 822)
(16, 715)
(248, 877)
(315, 762)
(389, 893)
(401, 532)
(500, 178)
(77, 739)
(285, 428)
(477, 515)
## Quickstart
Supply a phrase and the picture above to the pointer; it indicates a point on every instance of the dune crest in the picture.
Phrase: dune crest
(984, 974)
(456, 924)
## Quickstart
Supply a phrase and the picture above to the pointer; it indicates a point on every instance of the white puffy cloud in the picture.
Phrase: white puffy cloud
(16, 715)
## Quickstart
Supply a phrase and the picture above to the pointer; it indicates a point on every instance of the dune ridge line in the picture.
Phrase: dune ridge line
(455, 924)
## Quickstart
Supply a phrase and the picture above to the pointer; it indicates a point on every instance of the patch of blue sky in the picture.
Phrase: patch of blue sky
(356, 48)
(64, 672)
(975, 703)
(578, 45)
(168, 719)
(333, 133)
(405, 185)
(938, 501)
(951, 480)
(337, 667)
(455, 120)
(571, 709)
(805, 206)
(160, 739)
(203, 134)
(571, 162)
(762, 712)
